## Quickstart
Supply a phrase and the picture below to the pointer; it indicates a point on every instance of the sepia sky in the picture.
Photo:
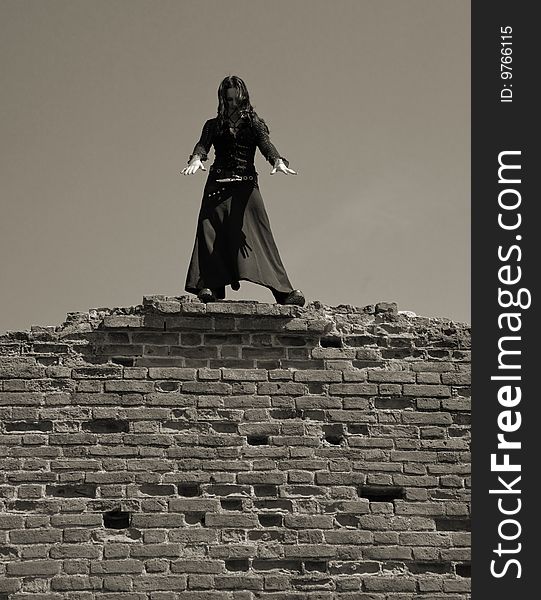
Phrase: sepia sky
(103, 101)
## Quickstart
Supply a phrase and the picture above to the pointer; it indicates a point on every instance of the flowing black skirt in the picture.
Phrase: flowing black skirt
(234, 240)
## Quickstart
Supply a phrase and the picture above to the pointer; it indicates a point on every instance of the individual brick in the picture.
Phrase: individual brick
(431, 391)
(230, 520)
(389, 584)
(33, 568)
(308, 521)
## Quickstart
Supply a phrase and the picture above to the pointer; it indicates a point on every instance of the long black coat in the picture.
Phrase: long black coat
(234, 240)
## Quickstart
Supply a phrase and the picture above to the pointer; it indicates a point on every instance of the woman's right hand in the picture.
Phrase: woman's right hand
(194, 165)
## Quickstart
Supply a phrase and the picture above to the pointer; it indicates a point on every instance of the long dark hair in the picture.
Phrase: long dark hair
(245, 108)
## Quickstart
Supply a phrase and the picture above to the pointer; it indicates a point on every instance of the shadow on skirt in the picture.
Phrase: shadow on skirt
(234, 242)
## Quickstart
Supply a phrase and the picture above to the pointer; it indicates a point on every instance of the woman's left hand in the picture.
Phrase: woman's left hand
(280, 167)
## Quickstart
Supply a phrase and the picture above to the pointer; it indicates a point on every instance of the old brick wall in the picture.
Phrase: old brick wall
(235, 451)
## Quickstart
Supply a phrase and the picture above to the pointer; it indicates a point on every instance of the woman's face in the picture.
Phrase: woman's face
(231, 98)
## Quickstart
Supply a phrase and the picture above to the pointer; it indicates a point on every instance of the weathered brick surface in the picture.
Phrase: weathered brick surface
(235, 451)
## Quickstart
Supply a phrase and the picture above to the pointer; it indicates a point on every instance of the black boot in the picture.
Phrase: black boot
(219, 293)
(206, 295)
(295, 297)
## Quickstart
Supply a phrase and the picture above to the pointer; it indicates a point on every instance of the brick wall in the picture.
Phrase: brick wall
(235, 451)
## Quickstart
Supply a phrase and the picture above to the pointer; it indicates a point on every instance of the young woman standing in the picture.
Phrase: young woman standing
(234, 240)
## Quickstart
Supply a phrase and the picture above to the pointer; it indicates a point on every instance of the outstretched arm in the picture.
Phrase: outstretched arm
(268, 149)
(201, 149)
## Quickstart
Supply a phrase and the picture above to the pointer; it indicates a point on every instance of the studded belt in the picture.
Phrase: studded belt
(229, 175)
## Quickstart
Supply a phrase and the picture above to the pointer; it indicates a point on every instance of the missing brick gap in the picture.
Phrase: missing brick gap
(231, 504)
(116, 519)
(334, 439)
(258, 440)
(463, 570)
(237, 564)
(315, 565)
(194, 518)
(331, 342)
(381, 493)
(189, 490)
(334, 434)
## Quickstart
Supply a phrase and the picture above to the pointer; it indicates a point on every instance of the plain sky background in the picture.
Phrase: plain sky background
(103, 101)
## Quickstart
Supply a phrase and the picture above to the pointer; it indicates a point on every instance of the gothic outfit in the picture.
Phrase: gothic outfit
(234, 240)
